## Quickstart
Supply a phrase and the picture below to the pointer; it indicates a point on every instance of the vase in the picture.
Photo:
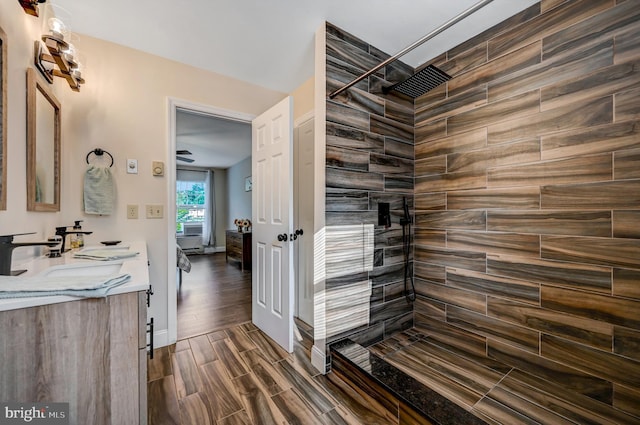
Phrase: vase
(239, 229)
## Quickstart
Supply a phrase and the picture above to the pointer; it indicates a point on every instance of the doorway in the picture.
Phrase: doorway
(219, 269)
(213, 288)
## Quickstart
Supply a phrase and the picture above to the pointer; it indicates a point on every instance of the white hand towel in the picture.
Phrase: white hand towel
(98, 190)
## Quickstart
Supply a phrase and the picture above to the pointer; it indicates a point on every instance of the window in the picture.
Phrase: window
(195, 206)
(190, 203)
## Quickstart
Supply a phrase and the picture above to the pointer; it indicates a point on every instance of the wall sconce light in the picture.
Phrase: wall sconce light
(31, 6)
(60, 59)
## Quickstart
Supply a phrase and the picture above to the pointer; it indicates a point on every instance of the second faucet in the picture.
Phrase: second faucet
(63, 231)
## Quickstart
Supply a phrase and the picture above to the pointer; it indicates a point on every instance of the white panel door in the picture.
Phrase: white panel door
(272, 204)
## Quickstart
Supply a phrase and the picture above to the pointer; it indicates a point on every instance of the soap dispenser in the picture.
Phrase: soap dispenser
(79, 238)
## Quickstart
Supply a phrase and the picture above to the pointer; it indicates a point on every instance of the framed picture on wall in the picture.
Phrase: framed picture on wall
(247, 184)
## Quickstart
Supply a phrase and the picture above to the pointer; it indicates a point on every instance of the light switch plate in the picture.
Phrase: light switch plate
(132, 166)
(154, 211)
(157, 168)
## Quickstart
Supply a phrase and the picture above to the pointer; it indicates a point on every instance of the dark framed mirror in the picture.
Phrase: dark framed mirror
(43, 146)
(3, 120)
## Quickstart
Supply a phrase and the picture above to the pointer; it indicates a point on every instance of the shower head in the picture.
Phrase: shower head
(421, 82)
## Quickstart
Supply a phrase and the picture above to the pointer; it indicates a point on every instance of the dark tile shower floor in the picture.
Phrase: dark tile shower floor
(447, 383)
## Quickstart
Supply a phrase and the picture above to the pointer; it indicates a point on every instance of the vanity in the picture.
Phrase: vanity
(89, 352)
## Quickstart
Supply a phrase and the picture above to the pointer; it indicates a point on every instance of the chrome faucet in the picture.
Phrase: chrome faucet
(62, 231)
(7, 245)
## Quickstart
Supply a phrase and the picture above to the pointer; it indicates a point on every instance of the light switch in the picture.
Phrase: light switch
(157, 168)
(132, 166)
(155, 211)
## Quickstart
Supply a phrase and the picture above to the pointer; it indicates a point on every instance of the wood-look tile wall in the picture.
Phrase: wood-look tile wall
(527, 189)
(370, 159)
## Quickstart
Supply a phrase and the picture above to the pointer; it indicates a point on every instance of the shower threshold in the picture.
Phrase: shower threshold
(405, 397)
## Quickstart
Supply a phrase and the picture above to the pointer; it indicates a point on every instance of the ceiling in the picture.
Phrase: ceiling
(214, 142)
(270, 43)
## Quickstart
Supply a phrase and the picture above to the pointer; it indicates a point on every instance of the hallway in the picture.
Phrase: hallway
(213, 296)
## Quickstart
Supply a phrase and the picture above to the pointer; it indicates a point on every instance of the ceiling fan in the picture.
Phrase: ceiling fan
(180, 157)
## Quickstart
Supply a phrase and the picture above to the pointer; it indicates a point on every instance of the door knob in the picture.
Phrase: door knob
(283, 237)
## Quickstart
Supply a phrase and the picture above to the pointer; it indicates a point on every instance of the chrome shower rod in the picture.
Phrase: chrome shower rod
(407, 49)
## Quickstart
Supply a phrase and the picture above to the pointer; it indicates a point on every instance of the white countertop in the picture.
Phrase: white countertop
(136, 266)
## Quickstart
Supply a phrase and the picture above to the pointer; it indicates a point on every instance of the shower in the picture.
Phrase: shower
(425, 79)
(405, 222)
(421, 82)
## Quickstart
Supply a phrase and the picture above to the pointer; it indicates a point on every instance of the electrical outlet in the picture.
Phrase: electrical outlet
(132, 211)
(154, 211)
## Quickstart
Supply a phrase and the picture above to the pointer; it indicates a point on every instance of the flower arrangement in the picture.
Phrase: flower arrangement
(242, 223)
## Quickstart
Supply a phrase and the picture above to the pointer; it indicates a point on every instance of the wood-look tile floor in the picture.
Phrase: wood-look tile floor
(240, 376)
(494, 391)
(214, 295)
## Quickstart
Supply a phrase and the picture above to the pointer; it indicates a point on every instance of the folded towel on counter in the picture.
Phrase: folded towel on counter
(77, 286)
(98, 190)
(105, 254)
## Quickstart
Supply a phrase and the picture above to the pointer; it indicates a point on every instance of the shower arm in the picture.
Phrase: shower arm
(407, 49)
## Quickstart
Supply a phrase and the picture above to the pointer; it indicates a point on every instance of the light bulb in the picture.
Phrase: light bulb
(70, 53)
(57, 21)
(57, 28)
(80, 67)
(77, 74)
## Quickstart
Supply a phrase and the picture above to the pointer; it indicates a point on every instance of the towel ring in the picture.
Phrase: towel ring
(99, 152)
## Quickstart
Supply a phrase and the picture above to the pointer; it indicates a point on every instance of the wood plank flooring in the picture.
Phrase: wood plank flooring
(240, 376)
(214, 295)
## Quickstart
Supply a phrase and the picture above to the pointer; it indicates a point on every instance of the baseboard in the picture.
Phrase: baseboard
(160, 338)
(318, 359)
(192, 251)
(214, 249)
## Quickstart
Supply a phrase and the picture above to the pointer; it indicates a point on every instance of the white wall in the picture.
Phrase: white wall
(122, 109)
(303, 98)
(239, 201)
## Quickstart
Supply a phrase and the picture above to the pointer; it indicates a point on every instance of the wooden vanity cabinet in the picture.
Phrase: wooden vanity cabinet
(90, 353)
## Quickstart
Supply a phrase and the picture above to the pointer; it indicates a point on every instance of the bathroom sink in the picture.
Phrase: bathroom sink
(86, 269)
